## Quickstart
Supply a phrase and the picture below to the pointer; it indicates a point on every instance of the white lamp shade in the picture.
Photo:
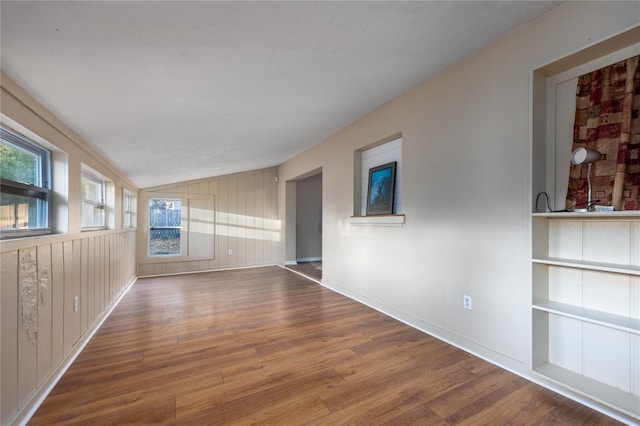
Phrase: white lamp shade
(585, 156)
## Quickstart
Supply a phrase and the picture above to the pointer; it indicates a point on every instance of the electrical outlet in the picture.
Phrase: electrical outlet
(230, 252)
(76, 304)
(466, 302)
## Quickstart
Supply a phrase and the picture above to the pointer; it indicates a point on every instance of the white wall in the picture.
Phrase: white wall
(466, 190)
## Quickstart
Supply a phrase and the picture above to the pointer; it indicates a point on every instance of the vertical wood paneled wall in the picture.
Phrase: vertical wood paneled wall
(40, 328)
(246, 222)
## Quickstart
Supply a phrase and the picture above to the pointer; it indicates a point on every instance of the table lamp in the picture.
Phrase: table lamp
(586, 156)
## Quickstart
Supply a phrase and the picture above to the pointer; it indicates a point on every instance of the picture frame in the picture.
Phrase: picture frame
(381, 189)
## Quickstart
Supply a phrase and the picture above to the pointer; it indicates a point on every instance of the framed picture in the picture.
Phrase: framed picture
(382, 184)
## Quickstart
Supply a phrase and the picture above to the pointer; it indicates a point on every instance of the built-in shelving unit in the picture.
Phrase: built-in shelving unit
(586, 305)
(585, 287)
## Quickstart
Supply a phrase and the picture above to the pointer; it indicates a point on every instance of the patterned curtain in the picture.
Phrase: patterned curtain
(608, 120)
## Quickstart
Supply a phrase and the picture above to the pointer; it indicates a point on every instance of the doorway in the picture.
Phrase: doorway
(308, 225)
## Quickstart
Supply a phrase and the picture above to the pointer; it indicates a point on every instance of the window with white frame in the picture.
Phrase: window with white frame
(178, 227)
(165, 227)
(25, 195)
(129, 210)
(93, 200)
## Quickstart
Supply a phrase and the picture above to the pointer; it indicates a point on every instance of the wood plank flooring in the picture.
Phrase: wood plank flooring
(267, 346)
(312, 270)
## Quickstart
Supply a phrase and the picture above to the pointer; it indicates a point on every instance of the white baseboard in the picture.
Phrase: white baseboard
(290, 262)
(309, 259)
(170, 274)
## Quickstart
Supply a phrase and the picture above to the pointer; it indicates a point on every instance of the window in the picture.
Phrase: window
(93, 204)
(178, 227)
(25, 193)
(165, 227)
(129, 210)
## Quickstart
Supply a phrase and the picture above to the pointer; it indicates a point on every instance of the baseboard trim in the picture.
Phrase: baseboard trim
(309, 259)
(41, 394)
(171, 274)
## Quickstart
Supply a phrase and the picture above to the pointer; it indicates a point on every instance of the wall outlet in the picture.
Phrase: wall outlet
(467, 302)
(76, 304)
(230, 252)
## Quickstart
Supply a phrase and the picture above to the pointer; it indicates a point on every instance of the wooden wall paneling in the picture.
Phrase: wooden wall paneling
(148, 269)
(158, 268)
(223, 222)
(200, 234)
(9, 334)
(269, 225)
(97, 269)
(91, 280)
(57, 303)
(68, 296)
(271, 198)
(241, 210)
(104, 242)
(214, 191)
(75, 273)
(111, 267)
(108, 268)
(84, 286)
(119, 265)
(203, 188)
(99, 275)
(122, 279)
(27, 323)
(39, 326)
(245, 218)
(251, 218)
(233, 220)
(259, 215)
(45, 288)
(131, 255)
(123, 260)
(106, 283)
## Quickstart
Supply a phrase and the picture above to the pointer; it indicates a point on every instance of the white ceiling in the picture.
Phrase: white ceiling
(172, 91)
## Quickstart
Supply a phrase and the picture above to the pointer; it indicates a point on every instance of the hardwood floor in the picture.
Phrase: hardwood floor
(267, 346)
(312, 270)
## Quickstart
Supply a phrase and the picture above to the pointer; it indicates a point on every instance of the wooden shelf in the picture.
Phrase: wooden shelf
(608, 395)
(593, 266)
(619, 322)
(626, 215)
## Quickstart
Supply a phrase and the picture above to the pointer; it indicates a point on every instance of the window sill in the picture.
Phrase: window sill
(378, 220)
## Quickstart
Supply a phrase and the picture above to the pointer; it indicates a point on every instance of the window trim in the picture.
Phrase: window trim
(40, 190)
(129, 208)
(196, 245)
(102, 205)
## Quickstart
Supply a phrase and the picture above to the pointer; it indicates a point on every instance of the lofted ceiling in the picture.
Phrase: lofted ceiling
(171, 91)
